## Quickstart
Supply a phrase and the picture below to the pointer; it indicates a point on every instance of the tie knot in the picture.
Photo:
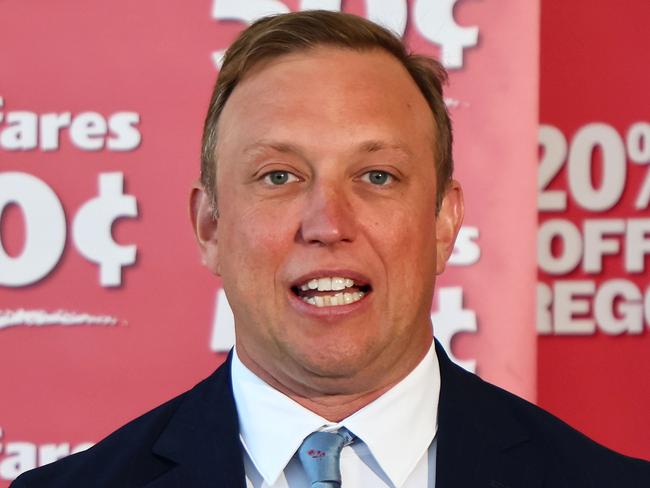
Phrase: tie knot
(320, 455)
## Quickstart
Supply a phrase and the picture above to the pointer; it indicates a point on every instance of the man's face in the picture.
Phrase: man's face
(327, 238)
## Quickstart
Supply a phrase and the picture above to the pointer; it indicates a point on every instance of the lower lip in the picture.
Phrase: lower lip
(336, 311)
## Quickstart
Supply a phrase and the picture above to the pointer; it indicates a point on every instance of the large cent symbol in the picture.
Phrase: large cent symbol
(435, 21)
(91, 229)
(452, 318)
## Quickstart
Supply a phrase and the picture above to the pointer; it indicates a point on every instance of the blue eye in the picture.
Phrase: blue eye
(279, 178)
(377, 177)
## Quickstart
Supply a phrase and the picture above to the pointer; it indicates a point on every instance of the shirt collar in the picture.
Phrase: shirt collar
(398, 427)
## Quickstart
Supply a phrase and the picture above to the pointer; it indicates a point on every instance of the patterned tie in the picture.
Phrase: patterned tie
(320, 454)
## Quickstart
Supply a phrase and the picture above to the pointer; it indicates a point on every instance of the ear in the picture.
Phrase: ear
(448, 222)
(205, 225)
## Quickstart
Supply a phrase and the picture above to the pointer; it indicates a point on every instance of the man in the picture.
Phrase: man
(327, 206)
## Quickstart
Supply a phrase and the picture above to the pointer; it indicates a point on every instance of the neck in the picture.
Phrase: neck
(332, 406)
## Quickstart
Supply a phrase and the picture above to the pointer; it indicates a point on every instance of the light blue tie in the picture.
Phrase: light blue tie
(320, 455)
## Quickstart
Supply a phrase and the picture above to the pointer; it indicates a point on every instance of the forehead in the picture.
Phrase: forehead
(340, 94)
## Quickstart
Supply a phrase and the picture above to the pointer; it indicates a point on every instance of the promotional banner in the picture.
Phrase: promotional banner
(594, 230)
(105, 310)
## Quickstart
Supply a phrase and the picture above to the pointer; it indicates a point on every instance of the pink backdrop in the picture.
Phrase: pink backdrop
(102, 108)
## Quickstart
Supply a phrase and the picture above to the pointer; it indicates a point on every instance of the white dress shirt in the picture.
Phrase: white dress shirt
(395, 443)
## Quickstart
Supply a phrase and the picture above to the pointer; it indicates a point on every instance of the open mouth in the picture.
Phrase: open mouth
(331, 291)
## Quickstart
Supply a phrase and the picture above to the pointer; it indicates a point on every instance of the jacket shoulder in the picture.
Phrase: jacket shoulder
(565, 452)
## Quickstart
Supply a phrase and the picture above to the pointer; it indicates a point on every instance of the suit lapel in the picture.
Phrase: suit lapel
(202, 438)
(480, 442)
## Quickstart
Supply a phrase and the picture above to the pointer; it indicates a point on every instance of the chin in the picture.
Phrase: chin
(334, 363)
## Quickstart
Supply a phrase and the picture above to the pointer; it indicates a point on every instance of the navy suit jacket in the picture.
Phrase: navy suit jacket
(487, 438)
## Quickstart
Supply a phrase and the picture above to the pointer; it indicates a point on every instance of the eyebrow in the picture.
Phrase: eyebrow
(373, 146)
(262, 145)
(369, 146)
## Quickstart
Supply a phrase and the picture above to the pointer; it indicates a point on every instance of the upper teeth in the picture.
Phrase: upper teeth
(327, 284)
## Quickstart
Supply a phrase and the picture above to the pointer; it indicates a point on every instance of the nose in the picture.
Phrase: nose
(328, 218)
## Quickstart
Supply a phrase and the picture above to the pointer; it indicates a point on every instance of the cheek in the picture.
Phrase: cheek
(255, 239)
(405, 241)
(405, 231)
